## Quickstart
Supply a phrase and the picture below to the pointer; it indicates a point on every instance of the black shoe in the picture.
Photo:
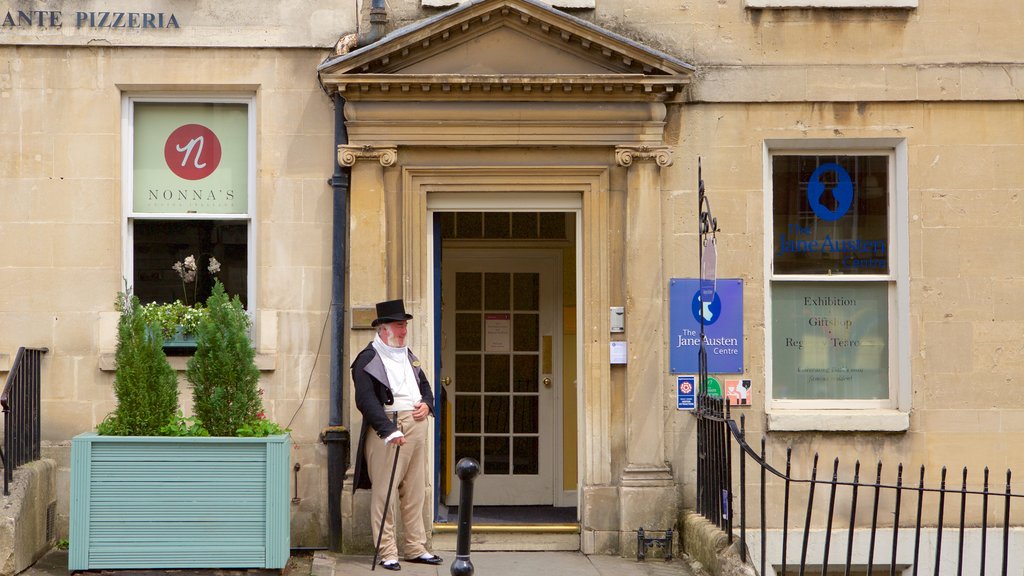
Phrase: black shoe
(432, 560)
(390, 565)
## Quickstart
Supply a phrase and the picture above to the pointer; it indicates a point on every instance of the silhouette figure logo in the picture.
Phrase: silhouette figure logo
(830, 191)
(711, 311)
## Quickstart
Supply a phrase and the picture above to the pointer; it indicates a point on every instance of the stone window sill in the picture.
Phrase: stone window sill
(265, 362)
(838, 420)
(831, 4)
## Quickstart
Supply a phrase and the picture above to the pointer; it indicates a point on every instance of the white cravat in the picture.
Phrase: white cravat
(404, 386)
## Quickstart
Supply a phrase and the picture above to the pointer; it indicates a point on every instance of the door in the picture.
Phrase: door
(501, 337)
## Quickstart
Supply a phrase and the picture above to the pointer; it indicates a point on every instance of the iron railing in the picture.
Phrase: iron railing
(21, 407)
(868, 525)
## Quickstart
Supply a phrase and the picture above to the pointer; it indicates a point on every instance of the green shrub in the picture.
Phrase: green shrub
(145, 385)
(223, 372)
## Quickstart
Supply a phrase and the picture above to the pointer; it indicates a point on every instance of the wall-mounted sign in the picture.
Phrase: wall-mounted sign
(190, 158)
(686, 392)
(723, 326)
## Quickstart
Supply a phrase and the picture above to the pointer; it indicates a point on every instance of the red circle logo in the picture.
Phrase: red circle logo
(685, 387)
(192, 151)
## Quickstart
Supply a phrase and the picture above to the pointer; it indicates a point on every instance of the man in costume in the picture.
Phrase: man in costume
(395, 399)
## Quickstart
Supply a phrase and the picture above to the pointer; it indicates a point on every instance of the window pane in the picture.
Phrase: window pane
(496, 373)
(830, 340)
(525, 459)
(159, 244)
(830, 214)
(469, 225)
(526, 291)
(527, 414)
(468, 291)
(497, 291)
(496, 414)
(525, 333)
(467, 372)
(524, 225)
(467, 447)
(496, 224)
(496, 455)
(552, 225)
(467, 332)
(525, 369)
(467, 414)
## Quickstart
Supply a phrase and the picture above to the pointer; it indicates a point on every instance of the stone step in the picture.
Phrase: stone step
(511, 537)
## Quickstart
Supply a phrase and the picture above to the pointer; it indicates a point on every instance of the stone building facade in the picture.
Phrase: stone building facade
(518, 172)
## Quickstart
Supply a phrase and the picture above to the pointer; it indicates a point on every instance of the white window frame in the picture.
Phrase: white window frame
(128, 217)
(892, 413)
(906, 4)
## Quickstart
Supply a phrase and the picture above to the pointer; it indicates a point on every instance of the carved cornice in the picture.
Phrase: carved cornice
(626, 155)
(348, 154)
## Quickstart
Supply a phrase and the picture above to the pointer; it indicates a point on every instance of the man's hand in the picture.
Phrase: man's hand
(420, 411)
(397, 441)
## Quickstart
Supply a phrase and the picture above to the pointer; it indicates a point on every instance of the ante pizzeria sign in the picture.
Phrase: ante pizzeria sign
(58, 19)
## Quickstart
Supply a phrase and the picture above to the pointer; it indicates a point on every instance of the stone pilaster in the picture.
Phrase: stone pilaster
(647, 495)
(368, 225)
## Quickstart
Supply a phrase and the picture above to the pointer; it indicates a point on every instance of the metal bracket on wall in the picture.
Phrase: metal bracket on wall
(643, 542)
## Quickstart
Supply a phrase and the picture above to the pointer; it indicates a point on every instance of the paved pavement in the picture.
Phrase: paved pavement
(322, 563)
(508, 564)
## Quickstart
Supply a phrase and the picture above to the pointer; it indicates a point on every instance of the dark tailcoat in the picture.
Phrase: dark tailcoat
(373, 393)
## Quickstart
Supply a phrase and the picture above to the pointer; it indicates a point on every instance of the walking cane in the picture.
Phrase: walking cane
(387, 501)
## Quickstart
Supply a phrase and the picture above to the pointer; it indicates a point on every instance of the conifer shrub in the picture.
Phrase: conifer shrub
(145, 384)
(223, 371)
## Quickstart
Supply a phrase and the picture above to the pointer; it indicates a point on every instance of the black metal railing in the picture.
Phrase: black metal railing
(21, 407)
(868, 525)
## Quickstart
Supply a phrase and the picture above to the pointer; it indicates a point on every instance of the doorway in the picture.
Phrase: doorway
(508, 363)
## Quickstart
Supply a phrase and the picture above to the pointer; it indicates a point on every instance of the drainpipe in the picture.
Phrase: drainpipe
(335, 435)
(378, 23)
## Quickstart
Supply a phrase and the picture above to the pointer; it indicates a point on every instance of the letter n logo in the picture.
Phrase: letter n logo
(192, 151)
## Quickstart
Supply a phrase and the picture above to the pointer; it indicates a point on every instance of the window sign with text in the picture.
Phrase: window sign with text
(830, 340)
(190, 158)
(830, 215)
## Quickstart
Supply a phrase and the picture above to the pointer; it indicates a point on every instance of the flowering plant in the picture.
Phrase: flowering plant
(187, 272)
(180, 315)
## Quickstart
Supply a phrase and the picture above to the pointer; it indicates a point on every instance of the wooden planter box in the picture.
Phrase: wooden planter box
(156, 502)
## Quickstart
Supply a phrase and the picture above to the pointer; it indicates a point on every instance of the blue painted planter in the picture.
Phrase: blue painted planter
(157, 502)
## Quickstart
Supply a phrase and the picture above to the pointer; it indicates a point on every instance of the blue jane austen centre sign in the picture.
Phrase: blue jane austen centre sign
(723, 326)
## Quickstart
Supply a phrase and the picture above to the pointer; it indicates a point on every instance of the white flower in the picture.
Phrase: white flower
(214, 265)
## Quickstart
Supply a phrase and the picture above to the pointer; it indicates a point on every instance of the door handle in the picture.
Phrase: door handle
(447, 381)
(547, 382)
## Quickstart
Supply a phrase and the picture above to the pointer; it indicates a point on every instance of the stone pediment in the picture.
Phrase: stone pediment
(487, 49)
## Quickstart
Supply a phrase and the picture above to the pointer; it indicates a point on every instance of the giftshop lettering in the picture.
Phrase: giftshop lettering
(57, 19)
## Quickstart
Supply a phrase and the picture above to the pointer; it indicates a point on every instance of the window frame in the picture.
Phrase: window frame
(883, 414)
(129, 216)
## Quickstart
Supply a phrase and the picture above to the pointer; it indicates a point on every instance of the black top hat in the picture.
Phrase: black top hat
(390, 311)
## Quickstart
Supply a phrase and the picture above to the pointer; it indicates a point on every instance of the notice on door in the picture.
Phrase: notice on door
(498, 333)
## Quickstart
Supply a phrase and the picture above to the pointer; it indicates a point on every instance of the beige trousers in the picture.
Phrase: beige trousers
(409, 488)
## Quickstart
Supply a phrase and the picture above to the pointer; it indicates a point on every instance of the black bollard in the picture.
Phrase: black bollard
(467, 469)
